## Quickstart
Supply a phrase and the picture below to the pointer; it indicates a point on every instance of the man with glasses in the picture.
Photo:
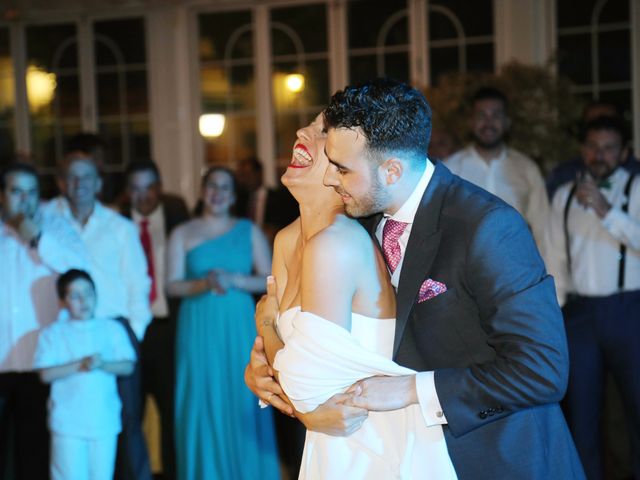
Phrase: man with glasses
(593, 248)
(34, 249)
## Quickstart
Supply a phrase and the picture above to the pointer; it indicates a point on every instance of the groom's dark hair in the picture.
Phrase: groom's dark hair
(393, 116)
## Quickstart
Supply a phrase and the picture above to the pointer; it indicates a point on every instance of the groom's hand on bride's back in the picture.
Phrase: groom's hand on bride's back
(335, 418)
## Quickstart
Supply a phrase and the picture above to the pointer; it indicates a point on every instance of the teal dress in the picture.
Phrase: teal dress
(221, 432)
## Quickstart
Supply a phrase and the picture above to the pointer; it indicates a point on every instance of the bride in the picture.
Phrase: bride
(336, 326)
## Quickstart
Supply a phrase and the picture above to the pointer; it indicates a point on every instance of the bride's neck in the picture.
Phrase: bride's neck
(315, 218)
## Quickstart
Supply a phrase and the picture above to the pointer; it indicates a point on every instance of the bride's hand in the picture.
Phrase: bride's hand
(258, 376)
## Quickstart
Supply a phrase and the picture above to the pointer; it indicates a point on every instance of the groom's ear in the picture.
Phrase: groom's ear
(391, 170)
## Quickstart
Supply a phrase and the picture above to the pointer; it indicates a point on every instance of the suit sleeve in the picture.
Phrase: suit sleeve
(517, 309)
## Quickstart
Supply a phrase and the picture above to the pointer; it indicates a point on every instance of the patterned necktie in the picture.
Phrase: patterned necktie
(390, 246)
(145, 239)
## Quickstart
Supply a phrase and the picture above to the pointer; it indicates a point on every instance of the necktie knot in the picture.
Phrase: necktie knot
(391, 234)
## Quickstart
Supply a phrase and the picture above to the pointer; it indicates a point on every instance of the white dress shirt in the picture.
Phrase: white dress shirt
(511, 176)
(425, 382)
(66, 341)
(594, 242)
(28, 299)
(117, 263)
(156, 227)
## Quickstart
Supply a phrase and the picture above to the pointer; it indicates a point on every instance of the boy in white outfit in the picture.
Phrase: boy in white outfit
(81, 356)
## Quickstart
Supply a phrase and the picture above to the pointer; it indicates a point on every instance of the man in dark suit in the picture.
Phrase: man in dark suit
(156, 214)
(477, 315)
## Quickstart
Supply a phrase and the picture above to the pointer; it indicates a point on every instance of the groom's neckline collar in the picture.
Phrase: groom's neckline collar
(407, 212)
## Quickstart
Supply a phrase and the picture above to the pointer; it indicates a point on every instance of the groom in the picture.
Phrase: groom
(476, 312)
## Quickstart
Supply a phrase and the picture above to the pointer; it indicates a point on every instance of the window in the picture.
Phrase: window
(227, 84)
(594, 49)
(121, 90)
(7, 100)
(79, 75)
(378, 40)
(300, 67)
(460, 37)
(53, 90)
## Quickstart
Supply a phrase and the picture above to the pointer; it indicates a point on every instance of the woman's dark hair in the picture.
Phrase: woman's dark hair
(17, 167)
(199, 208)
(70, 276)
(490, 93)
(612, 124)
(143, 166)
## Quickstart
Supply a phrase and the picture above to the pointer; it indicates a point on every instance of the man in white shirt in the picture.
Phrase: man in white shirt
(118, 266)
(33, 249)
(156, 214)
(593, 248)
(489, 163)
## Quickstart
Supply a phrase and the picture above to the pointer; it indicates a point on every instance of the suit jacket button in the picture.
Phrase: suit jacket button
(483, 414)
(500, 409)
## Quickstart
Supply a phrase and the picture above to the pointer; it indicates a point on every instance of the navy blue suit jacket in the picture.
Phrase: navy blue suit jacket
(495, 339)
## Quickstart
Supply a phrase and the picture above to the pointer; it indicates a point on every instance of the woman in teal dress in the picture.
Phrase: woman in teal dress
(215, 263)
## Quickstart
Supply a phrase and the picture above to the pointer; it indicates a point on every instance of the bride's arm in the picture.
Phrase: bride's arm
(327, 287)
(268, 307)
(328, 279)
(328, 284)
(333, 417)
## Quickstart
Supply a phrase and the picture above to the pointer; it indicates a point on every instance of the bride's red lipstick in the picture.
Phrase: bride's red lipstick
(301, 147)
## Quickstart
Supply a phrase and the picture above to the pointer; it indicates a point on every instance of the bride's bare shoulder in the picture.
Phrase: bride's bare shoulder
(345, 238)
(349, 231)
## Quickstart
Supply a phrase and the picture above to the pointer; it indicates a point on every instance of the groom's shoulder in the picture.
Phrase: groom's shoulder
(466, 204)
(463, 208)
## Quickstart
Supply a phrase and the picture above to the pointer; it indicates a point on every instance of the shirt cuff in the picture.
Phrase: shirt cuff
(428, 399)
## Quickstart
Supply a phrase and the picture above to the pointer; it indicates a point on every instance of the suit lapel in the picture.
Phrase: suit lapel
(370, 223)
(421, 250)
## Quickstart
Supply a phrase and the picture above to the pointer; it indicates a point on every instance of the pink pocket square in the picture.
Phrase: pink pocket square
(429, 289)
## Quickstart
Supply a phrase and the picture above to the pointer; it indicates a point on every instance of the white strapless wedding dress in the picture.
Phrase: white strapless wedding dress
(321, 359)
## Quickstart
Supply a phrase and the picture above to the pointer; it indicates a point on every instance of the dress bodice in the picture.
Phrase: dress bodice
(321, 359)
(230, 251)
(374, 334)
